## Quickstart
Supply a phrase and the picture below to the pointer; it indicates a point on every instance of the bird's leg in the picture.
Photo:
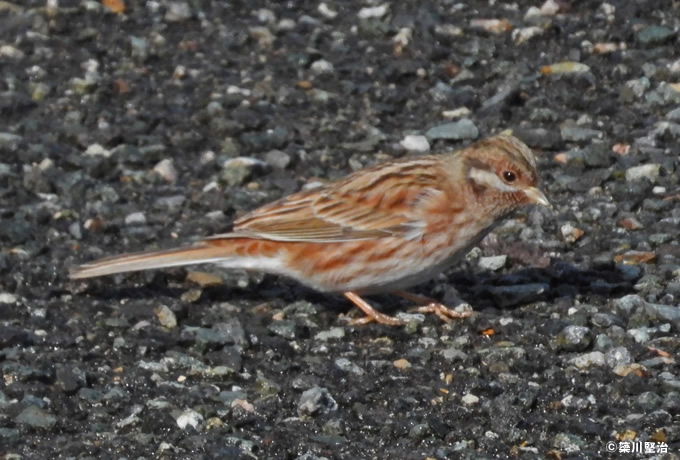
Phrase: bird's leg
(428, 305)
(371, 313)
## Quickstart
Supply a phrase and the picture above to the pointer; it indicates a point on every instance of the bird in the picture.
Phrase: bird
(381, 229)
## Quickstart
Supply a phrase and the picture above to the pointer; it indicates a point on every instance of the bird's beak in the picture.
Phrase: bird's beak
(535, 196)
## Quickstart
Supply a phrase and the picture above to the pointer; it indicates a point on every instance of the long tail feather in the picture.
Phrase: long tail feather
(148, 260)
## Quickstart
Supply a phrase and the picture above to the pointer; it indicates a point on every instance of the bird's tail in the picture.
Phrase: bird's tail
(201, 253)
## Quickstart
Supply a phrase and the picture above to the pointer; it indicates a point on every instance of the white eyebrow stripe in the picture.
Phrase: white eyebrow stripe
(490, 179)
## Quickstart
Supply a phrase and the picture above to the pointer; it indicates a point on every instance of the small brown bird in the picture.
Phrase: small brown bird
(379, 230)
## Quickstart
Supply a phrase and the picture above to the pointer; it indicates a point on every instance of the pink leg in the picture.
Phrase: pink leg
(428, 305)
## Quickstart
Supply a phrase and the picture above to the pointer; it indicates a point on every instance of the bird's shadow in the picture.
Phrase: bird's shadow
(480, 289)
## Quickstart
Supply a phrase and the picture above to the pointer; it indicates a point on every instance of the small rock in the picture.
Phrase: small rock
(178, 12)
(402, 364)
(97, 150)
(588, 360)
(204, 279)
(322, 66)
(570, 233)
(9, 139)
(649, 401)
(564, 67)
(166, 317)
(633, 368)
(654, 35)
(166, 169)
(492, 263)
(574, 338)
(415, 143)
(332, 333)
(277, 158)
(8, 299)
(648, 171)
(524, 34)
(470, 399)
(459, 130)
(494, 26)
(189, 418)
(454, 354)
(235, 171)
(315, 401)
(373, 12)
(265, 38)
(346, 365)
(136, 218)
(568, 443)
(571, 133)
(326, 11)
(9, 51)
(36, 418)
(170, 203)
(617, 357)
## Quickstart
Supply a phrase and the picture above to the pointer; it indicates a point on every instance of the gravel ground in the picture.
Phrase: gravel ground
(146, 124)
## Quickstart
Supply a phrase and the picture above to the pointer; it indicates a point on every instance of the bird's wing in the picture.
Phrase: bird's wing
(384, 201)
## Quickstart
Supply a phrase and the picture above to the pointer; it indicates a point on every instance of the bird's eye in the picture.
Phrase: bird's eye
(509, 176)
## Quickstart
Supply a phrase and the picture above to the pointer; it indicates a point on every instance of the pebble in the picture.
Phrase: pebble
(326, 11)
(524, 34)
(135, 218)
(494, 26)
(459, 130)
(178, 12)
(166, 317)
(570, 233)
(373, 12)
(35, 417)
(454, 354)
(277, 159)
(574, 338)
(332, 333)
(321, 67)
(587, 360)
(415, 143)
(236, 171)
(571, 133)
(8, 299)
(648, 171)
(470, 399)
(617, 357)
(316, 401)
(97, 150)
(564, 68)
(189, 418)
(492, 263)
(166, 169)
(346, 365)
(654, 35)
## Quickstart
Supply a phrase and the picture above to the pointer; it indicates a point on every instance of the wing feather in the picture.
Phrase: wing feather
(384, 201)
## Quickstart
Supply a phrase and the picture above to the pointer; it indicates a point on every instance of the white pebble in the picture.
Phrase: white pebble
(326, 12)
(322, 66)
(189, 417)
(470, 399)
(136, 218)
(373, 12)
(166, 169)
(415, 143)
(649, 171)
(492, 263)
(7, 298)
(94, 150)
